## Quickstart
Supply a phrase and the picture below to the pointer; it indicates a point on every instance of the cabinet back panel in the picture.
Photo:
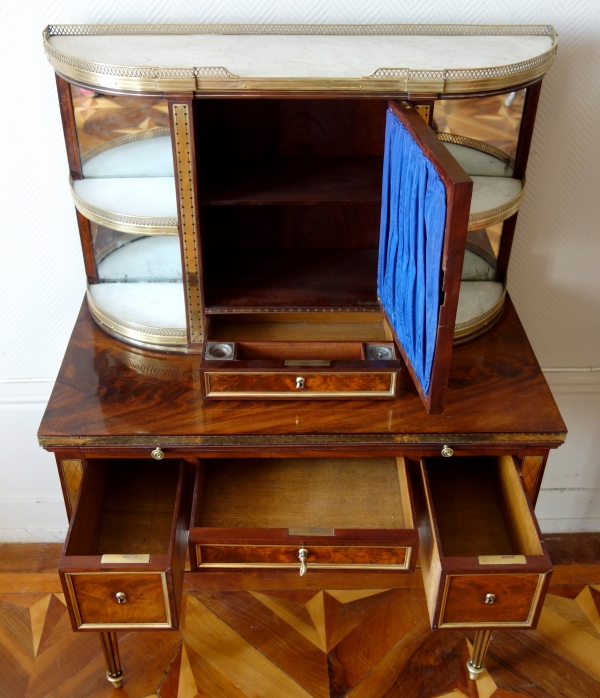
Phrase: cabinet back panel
(289, 128)
(299, 493)
(468, 507)
(323, 226)
(138, 508)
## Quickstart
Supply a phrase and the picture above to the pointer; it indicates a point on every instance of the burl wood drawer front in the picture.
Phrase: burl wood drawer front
(317, 557)
(514, 599)
(484, 564)
(300, 384)
(114, 599)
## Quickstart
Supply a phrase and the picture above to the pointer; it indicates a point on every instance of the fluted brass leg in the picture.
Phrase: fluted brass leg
(114, 673)
(480, 648)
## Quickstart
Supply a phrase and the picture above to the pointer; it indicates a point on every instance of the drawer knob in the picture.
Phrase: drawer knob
(447, 452)
(302, 555)
(158, 453)
(121, 597)
(299, 382)
(490, 598)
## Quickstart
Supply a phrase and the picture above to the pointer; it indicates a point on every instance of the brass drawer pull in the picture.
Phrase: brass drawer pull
(158, 453)
(121, 597)
(490, 598)
(299, 382)
(447, 452)
(302, 555)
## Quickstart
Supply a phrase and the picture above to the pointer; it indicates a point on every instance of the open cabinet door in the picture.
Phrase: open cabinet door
(424, 217)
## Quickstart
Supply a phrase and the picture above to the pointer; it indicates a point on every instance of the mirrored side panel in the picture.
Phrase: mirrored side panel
(139, 295)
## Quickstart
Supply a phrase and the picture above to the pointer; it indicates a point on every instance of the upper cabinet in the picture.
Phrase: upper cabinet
(316, 211)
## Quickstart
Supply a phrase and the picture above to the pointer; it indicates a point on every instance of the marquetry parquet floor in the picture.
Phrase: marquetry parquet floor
(293, 644)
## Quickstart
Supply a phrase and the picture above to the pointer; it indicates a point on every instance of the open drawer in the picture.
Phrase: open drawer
(483, 562)
(123, 561)
(308, 514)
(299, 355)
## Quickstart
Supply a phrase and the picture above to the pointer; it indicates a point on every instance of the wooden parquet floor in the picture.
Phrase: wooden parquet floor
(364, 643)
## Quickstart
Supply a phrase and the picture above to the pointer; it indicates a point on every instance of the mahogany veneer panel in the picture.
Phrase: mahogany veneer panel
(106, 389)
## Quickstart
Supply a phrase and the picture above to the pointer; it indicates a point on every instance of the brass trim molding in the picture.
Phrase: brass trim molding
(162, 338)
(187, 212)
(483, 219)
(315, 440)
(137, 225)
(220, 79)
(504, 624)
(470, 329)
(123, 140)
(492, 150)
(118, 626)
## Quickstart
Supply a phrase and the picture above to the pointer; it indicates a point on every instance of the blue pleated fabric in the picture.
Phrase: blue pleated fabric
(413, 217)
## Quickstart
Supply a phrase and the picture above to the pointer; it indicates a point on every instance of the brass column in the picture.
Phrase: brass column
(114, 673)
(480, 648)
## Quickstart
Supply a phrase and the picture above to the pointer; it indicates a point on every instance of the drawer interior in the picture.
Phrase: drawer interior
(315, 493)
(125, 507)
(333, 336)
(480, 507)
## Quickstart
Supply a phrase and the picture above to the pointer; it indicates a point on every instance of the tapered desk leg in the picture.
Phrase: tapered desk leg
(114, 673)
(480, 647)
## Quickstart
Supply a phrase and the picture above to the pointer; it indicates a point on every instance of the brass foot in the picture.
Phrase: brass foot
(474, 672)
(117, 680)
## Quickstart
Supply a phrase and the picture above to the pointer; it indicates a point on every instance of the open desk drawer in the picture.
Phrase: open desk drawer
(480, 551)
(123, 560)
(345, 513)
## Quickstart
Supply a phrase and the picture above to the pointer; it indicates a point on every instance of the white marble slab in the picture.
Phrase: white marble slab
(298, 56)
(491, 192)
(156, 258)
(476, 297)
(151, 157)
(475, 268)
(476, 162)
(152, 305)
(145, 196)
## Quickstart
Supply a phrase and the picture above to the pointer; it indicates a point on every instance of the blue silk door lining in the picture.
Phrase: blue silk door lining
(413, 217)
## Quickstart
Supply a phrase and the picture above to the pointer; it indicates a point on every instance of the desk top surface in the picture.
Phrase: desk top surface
(108, 393)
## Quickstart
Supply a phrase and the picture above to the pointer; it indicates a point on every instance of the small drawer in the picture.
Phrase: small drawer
(301, 383)
(328, 513)
(123, 560)
(483, 562)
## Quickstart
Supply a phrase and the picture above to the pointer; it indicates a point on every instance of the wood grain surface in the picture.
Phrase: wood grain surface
(325, 643)
(106, 391)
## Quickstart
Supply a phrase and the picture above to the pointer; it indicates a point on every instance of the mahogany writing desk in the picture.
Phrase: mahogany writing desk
(116, 409)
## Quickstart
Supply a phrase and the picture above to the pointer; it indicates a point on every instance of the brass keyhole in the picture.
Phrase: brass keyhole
(302, 555)
(490, 598)
(299, 382)
(121, 597)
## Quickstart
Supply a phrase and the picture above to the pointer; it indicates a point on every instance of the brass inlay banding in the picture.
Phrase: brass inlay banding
(187, 209)
(220, 79)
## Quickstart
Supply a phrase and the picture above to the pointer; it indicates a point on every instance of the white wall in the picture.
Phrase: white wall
(553, 278)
